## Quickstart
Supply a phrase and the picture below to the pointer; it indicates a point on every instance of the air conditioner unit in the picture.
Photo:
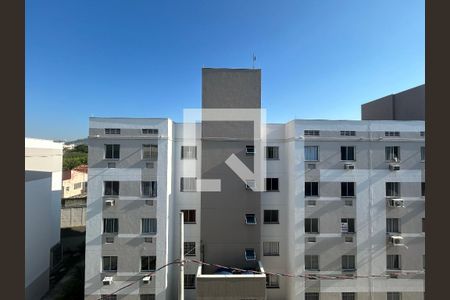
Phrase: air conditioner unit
(146, 279)
(349, 166)
(395, 202)
(394, 167)
(107, 280)
(110, 202)
(396, 240)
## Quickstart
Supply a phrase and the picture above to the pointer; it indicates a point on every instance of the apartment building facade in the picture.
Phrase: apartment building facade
(43, 172)
(342, 206)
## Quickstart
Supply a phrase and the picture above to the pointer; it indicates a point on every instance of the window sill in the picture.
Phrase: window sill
(111, 159)
(272, 287)
(272, 223)
(348, 197)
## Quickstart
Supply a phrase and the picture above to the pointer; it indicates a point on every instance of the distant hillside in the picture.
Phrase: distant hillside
(77, 142)
(74, 157)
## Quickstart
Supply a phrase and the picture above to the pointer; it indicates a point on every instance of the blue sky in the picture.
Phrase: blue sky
(141, 58)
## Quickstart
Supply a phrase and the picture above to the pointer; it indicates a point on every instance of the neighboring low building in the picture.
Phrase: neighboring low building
(406, 105)
(43, 174)
(75, 182)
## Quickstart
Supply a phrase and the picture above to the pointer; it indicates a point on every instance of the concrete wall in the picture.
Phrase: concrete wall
(73, 217)
(43, 171)
(406, 105)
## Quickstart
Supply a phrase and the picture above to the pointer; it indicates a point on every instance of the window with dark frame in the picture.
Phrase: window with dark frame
(347, 189)
(311, 189)
(147, 297)
(249, 150)
(188, 184)
(188, 152)
(348, 153)
(393, 225)
(250, 219)
(150, 151)
(311, 225)
(392, 133)
(189, 281)
(188, 216)
(110, 225)
(149, 131)
(272, 184)
(250, 254)
(148, 263)
(312, 262)
(311, 133)
(112, 151)
(422, 189)
(271, 216)
(112, 130)
(149, 188)
(348, 263)
(272, 152)
(348, 133)
(348, 225)
(110, 263)
(392, 153)
(394, 296)
(111, 188)
(422, 153)
(272, 281)
(189, 248)
(311, 296)
(393, 262)
(392, 189)
(348, 296)
(149, 225)
(271, 248)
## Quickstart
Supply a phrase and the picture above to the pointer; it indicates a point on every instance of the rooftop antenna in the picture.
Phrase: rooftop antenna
(254, 59)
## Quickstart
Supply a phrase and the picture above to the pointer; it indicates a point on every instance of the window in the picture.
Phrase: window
(189, 216)
(312, 262)
(271, 248)
(77, 186)
(391, 133)
(188, 152)
(348, 262)
(249, 150)
(109, 263)
(392, 153)
(150, 152)
(272, 152)
(422, 188)
(67, 188)
(423, 224)
(348, 133)
(272, 281)
(147, 297)
(250, 254)
(189, 281)
(189, 248)
(311, 225)
(347, 225)
(111, 188)
(108, 297)
(149, 188)
(110, 225)
(188, 184)
(394, 296)
(422, 153)
(311, 132)
(422, 133)
(149, 131)
(393, 262)
(392, 225)
(347, 153)
(392, 189)
(112, 130)
(148, 263)
(271, 216)
(311, 153)
(311, 189)
(348, 296)
(311, 296)
(347, 189)
(112, 151)
(271, 184)
(250, 219)
(149, 226)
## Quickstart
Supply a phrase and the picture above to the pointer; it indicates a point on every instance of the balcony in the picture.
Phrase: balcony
(215, 283)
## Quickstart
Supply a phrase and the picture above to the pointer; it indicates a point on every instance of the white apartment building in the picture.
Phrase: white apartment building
(43, 175)
(341, 215)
